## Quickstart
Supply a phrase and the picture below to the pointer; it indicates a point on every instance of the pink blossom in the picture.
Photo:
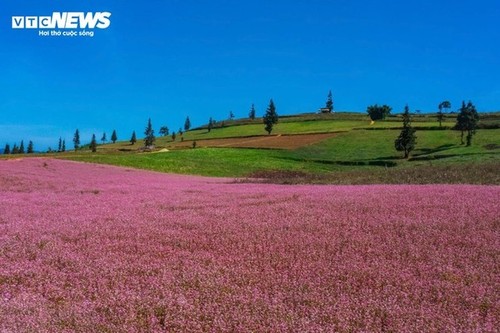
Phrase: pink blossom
(93, 248)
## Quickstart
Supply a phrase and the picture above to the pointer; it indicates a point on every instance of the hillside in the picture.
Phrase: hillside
(336, 148)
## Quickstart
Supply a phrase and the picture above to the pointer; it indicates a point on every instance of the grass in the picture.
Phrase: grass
(438, 146)
(217, 162)
(308, 123)
(356, 154)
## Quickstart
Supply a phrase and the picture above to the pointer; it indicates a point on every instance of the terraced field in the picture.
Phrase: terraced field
(286, 141)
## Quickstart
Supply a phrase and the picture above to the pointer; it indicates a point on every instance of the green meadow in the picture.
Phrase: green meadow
(359, 152)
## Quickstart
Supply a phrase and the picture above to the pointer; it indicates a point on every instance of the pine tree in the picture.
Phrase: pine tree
(114, 137)
(329, 101)
(467, 120)
(6, 150)
(187, 124)
(30, 147)
(59, 146)
(210, 124)
(133, 139)
(93, 144)
(231, 115)
(103, 138)
(173, 136)
(21, 147)
(149, 133)
(63, 149)
(251, 115)
(15, 149)
(76, 139)
(271, 117)
(407, 139)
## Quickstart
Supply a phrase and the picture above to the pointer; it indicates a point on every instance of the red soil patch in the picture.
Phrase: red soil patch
(268, 141)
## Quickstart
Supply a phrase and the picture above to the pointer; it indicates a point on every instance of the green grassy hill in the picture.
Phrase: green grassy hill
(359, 152)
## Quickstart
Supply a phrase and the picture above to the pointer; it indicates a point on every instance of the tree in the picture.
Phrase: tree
(76, 139)
(114, 137)
(164, 131)
(329, 101)
(173, 136)
(467, 120)
(6, 150)
(59, 146)
(377, 112)
(271, 117)
(133, 139)
(251, 115)
(21, 147)
(210, 124)
(180, 131)
(407, 139)
(103, 138)
(15, 149)
(93, 144)
(231, 115)
(149, 133)
(194, 144)
(63, 145)
(30, 148)
(441, 106)
(187, 124)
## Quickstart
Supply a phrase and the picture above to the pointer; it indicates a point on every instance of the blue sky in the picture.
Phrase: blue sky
(171, 59)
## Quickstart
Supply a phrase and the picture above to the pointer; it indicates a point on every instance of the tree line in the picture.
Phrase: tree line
(19, 149)
(270, 118)
(466, 122)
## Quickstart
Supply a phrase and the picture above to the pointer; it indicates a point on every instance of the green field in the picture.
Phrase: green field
(358, 153)
(302, 124)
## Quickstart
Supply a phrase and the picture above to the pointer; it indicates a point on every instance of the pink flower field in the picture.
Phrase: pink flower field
(92, 248)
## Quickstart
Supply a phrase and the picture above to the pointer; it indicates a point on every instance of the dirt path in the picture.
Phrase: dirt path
(271, 141)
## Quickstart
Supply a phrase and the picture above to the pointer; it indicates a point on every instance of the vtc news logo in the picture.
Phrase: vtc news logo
(63, 20)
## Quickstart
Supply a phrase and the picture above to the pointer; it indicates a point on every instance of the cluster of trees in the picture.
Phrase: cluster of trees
(19, 149)
(466, 122)
(93, 141)
(378, 112)
(61, 147)
(270, 119)
(104, 138)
